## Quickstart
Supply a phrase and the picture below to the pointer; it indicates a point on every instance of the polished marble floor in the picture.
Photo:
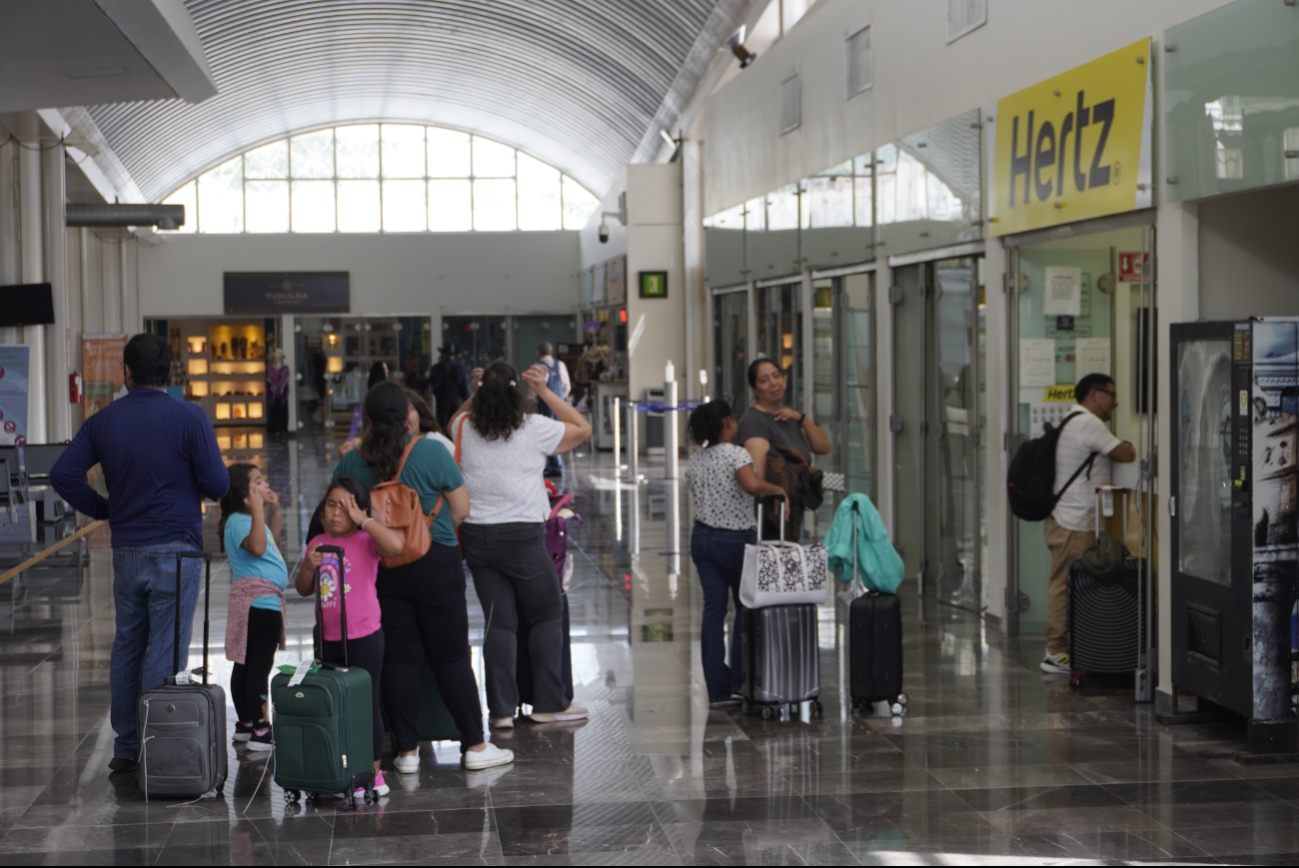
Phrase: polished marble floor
(992, 763)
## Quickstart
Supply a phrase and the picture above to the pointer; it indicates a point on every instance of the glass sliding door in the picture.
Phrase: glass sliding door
(780, 330)
(731, 348)
(855, 313)
(936, 424)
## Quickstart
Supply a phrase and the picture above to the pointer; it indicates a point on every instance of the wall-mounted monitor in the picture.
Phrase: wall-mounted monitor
(24, 304)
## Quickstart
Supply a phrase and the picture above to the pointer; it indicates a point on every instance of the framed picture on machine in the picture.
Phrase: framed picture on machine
(653, 284)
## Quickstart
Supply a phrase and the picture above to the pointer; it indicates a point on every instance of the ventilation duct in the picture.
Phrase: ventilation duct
(162, 216)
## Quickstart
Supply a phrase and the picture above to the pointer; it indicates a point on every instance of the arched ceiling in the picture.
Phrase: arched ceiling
(576, 83)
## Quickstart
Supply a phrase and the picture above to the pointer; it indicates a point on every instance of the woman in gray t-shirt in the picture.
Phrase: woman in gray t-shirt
(769, 423)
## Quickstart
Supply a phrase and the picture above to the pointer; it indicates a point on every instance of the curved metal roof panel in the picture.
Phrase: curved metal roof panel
(575, 83)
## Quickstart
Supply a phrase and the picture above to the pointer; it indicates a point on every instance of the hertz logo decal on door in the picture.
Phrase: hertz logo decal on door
(1075, 146)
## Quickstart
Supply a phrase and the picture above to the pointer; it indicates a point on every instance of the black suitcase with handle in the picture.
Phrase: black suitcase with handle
(874, 644)
(183, 726)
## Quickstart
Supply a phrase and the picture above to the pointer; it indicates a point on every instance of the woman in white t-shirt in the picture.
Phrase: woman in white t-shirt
(723, 483)
(503, 452)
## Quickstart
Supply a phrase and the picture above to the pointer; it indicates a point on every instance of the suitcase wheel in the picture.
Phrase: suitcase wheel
(1077, 678)
(220, 791)
(902, 699)
(896, 709)
(817, 710)
(294, 796)
(768, 713)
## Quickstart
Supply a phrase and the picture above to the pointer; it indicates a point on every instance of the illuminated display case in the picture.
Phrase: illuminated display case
(225, 366)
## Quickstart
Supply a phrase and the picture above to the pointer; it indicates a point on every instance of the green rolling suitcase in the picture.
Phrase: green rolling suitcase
(323, 723)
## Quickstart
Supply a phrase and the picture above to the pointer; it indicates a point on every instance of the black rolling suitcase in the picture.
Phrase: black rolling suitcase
(183, 726)
(874, 644)
(1105, 617)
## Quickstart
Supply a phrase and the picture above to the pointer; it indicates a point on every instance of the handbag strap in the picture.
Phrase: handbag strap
(460, 430)
(404, 455)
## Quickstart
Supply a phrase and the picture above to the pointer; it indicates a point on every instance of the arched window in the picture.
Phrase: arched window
(383, 178)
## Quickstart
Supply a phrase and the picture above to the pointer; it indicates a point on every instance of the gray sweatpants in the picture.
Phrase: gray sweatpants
(512, 570)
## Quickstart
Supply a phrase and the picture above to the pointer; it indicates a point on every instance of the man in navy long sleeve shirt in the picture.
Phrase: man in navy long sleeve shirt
(159, 458)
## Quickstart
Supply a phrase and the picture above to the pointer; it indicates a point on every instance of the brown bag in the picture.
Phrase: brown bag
(397, 506)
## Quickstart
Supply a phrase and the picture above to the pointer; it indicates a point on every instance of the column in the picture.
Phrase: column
(31, 225)
(57, 337)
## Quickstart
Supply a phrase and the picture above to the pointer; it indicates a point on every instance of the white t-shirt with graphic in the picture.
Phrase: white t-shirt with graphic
(719, 500)
(1084, 434)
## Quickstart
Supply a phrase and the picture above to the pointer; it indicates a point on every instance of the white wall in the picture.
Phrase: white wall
(654, 243)
(1249, 260)
(472, 272)
(919, 79)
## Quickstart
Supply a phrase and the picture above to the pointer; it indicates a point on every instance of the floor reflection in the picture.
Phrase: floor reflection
(990, 763)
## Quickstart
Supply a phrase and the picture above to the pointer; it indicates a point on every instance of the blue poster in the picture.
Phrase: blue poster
(13, 395)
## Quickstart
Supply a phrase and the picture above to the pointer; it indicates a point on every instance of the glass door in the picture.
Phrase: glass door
(855, 445)
(936, 427)
(731, 348)
(780, 330)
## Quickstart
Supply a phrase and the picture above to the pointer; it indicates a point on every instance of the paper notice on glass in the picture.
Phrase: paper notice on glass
(1092, 356)
(1062, 293)
(1037, 362)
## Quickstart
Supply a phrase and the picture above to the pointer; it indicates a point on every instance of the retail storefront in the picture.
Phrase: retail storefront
(1070, 199)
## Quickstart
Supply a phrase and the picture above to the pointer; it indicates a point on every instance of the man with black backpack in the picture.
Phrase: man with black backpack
(1084, 454)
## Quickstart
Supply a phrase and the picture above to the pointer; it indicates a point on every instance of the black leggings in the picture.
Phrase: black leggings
(425, 617)
(364, 652)
(248, 680)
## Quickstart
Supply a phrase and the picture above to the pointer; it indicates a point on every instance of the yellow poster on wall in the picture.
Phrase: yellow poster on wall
(1075, 146)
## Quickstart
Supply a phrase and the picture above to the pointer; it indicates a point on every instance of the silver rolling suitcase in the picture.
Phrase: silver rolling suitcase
(183, 726)
(782, 660)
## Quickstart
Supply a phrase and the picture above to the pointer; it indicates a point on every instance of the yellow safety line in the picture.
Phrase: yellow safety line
(37, 558)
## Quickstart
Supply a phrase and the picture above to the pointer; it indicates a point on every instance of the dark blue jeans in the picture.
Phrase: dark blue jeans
(719, 559)
(144, 592)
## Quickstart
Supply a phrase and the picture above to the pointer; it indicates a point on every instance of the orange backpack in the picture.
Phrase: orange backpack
(397, 506)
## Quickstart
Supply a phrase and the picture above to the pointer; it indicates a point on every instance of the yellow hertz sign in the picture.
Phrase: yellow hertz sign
(1075, 146)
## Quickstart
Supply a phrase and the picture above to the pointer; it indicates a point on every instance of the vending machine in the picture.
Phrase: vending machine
(1235, 520)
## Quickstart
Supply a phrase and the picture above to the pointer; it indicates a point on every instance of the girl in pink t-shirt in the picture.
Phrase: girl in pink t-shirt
(348, 525)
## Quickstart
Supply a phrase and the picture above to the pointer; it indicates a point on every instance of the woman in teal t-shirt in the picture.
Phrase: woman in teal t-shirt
(250, 524)
(422, 604)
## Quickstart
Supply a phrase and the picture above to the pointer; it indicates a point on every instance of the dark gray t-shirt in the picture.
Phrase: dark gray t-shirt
(755, 423)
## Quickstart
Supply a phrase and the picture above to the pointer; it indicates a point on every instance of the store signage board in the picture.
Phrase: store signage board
(292, 292)
(1075, 146)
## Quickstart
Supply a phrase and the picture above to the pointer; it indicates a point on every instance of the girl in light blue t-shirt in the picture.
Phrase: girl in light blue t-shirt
(250, 524)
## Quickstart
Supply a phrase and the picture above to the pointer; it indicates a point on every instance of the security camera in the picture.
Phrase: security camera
(604, 233)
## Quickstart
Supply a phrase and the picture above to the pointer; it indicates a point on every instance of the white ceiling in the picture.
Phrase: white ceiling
(77, 52)
(580, 84)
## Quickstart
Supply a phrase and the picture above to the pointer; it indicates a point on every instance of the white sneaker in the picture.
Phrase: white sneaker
(573, 712)
(489, 756)
(406, 765)
(1057, 664)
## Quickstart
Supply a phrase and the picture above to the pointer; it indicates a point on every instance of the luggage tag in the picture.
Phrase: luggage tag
(184, 678)
(300, 672)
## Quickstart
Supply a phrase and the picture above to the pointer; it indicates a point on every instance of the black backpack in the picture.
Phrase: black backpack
(1031, 478)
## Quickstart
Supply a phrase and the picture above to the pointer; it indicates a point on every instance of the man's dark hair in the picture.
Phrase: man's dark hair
(1090, 382)
(149, 358)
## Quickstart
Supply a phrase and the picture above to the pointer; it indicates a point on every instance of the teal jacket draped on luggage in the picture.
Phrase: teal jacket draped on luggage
(878, 563)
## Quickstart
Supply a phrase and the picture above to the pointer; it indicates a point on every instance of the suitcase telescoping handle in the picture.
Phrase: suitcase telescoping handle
(777, 498)
(342, 600)
(181, 557)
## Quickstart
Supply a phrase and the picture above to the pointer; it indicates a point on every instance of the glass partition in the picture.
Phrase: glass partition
(1232, 110)
(927, 187)
(771, 234)
(731, 348)
(780, 335)
(724, 247)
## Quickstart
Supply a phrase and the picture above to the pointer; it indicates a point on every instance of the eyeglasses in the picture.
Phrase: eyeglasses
(1109, 392)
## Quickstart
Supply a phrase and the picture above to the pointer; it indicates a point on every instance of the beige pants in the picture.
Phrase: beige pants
(1066, 547)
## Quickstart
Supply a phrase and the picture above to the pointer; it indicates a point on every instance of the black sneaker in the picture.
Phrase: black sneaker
(261, 739)
(243, 731)
(119, 765)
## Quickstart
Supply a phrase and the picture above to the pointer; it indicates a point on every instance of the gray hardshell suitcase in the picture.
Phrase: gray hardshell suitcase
(183, 726)
(782, 661)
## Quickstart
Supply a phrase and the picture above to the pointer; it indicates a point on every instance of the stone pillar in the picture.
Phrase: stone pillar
(57, 337)
(32, 228)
